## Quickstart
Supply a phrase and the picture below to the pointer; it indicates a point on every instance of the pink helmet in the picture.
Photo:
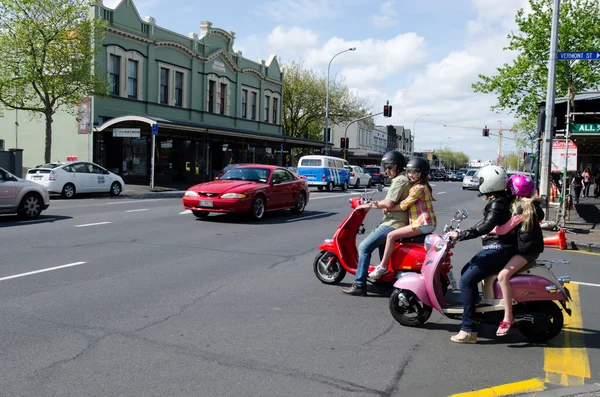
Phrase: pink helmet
(521, 185)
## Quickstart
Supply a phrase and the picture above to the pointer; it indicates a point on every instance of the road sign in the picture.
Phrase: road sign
(559, 156)
(154, 129)
(585, 129)
(578, 56)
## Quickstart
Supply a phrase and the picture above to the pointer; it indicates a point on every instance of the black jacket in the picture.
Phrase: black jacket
(496, 213)
(531, 242)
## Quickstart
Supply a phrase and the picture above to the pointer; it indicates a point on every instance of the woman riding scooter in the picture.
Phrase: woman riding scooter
(497, 249)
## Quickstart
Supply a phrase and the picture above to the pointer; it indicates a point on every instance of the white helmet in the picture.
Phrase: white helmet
(492, 179)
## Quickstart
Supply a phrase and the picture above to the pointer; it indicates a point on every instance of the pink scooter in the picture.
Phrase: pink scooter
(535, 293)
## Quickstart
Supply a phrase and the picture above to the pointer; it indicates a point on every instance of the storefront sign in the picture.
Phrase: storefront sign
(126, 132)
(218, 65)
(585, 129)
(559, 156)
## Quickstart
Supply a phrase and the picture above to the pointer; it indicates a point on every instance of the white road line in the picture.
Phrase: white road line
(125, 201)
(185, 212)
(441, 192)
(141, 209)
(588, 284)
(41, 271)
(332, 196)
(93, 224)
(306, 217)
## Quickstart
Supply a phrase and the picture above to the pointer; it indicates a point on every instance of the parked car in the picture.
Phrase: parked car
(459, 176)
(450, 175)
(470, 181)
(69, 179)
(377, 174)
(22, 197)
(250, 188)
(359, 177)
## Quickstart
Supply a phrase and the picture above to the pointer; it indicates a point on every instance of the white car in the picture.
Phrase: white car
(358, 177)
(18, 196)
(470, 181)
(68, 179)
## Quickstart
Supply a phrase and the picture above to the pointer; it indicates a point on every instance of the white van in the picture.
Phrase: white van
(325, 171)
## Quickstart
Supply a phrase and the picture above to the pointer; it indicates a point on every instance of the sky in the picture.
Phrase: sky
(422, 55)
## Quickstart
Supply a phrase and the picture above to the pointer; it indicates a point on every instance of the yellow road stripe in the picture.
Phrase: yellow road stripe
(578, 252)
(507, 389)
(566, 359)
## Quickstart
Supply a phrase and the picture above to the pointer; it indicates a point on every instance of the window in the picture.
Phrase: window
(275, 109)
(164, 86)
(211, 96)
(178, 89)
(222, 96)
(267, 99)
(244, 104)
(114, 73)
(132, 79)
(253, 106)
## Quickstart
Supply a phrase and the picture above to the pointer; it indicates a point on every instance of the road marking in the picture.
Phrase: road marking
(141, 209)
(124, 201)
(93, 224)
(309, 216)
(566, 362)
(333, 195)
(523, 386)
(441, 192)
(41, 271)
(588, 284)
(185, 212)
(579, 252)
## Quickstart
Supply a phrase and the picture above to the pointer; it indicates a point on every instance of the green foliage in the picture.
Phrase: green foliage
(520, 86)
(452, 160)
(512, 161)
(48, 52)
(304, 102)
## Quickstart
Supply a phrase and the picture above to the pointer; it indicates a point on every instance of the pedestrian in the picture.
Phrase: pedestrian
(393, 163)
(577, 185)
(597, 184)
(587, 180)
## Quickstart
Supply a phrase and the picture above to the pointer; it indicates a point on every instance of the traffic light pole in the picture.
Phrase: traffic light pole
(348, 125)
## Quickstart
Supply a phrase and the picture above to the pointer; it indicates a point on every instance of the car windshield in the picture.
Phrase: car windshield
(471, 173)
(375, 170)
(247, 174)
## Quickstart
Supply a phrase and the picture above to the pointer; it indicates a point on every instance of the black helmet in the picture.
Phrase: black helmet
(419, 164)
(394, 157)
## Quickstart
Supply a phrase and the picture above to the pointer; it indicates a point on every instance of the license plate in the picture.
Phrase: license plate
(452, 280)
(38, 178)
(206, 203)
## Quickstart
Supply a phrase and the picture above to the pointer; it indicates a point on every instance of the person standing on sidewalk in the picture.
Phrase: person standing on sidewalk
(577, 184)
(597, 184)
(587, 181)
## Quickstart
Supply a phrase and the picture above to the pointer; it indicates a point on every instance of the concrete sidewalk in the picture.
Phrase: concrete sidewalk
(581, 225)
(144, 191)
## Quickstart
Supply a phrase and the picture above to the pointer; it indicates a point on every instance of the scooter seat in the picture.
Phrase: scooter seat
(416, 239)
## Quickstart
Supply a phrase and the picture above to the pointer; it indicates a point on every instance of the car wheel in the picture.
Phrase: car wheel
(330, 186)
(31, 206)
(200, 214)
(258, 208)
(369, 184)
(345, 186)
(357, 184)
(320, 188)
(464, 188)
(115, 189)
(68, 191)
(300, 204)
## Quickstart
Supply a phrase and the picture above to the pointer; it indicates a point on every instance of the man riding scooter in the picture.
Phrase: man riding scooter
(393, 163)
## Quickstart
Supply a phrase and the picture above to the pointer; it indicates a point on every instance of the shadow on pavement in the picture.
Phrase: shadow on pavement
(270, 218)
(15, 220)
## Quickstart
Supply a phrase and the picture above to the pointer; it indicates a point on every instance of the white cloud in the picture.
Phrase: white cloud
(291, 40)
(298, 10)
(387, 15)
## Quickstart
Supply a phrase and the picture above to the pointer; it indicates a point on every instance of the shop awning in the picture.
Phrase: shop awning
(211, 129)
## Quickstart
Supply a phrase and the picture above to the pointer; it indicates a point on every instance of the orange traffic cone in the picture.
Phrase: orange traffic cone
(559, 240)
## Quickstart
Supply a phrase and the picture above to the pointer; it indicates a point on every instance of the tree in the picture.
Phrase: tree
(304, 102)
(521, 85)
(511, 161)
(48, 52)
(451, 159)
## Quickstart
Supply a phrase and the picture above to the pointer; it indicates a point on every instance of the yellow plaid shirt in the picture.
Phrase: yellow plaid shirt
(419, 205)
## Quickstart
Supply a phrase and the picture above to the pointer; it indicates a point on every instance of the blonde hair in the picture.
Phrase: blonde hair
(529, 214)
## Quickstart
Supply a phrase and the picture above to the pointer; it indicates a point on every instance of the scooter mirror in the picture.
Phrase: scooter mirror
(458, 217)
(465, 212)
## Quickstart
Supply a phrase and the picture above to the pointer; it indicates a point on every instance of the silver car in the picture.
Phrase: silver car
(18, 196)
(471, 181)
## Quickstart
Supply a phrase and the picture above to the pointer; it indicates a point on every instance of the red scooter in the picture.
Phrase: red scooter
(339, 255)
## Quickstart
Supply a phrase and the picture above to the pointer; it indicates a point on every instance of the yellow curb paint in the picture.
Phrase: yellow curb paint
(578, 252)
(523, 386)
(566, 359)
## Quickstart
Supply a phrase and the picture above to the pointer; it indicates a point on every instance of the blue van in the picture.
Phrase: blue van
(325, 171)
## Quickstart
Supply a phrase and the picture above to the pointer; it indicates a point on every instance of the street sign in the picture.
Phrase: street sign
(559, 155)
(154, 129)
(578, 56)
(126, 132)
(585, 129)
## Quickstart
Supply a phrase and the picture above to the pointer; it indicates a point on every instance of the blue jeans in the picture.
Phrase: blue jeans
(374, 240)
(483, 264)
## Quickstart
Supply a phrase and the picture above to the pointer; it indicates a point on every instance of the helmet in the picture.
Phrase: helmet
(394, 157)
(492, 179)
(419, 164)
(521, 185)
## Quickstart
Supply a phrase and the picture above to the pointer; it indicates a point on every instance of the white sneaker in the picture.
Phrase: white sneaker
(378, 272)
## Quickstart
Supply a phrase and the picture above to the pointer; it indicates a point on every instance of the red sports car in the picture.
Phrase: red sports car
(249, 188)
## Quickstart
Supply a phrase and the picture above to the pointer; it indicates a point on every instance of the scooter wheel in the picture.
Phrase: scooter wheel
(328, 268)
(407, 309)
(548, 321)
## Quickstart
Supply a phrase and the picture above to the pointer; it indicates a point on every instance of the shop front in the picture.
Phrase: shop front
(184, 153)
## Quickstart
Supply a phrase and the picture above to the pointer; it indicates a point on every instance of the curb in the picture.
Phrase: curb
(175, 194)
(577, 391)
(583, 246)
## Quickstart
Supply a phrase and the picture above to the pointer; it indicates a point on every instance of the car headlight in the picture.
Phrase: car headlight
(191, 193)
(233, 196)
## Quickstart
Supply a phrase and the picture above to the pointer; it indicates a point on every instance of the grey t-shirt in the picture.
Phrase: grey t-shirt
(398, 191)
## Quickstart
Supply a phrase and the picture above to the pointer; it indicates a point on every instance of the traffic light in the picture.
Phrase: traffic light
(347, 143)
(343, 143)
(524, 155)
(327, 134)
(486, 131)
(387, 110)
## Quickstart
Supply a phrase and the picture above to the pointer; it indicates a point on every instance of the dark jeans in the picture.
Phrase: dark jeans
(577, 193)
(483, 264)
(586, 190)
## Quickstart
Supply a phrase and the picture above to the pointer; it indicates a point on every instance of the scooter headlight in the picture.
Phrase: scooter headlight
(427, 242)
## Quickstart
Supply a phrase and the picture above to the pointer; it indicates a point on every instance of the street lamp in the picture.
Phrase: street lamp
(412, 153)
(443, 139)
(327, 97)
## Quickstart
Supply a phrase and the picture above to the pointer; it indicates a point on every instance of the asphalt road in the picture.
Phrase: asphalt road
(129, 297)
